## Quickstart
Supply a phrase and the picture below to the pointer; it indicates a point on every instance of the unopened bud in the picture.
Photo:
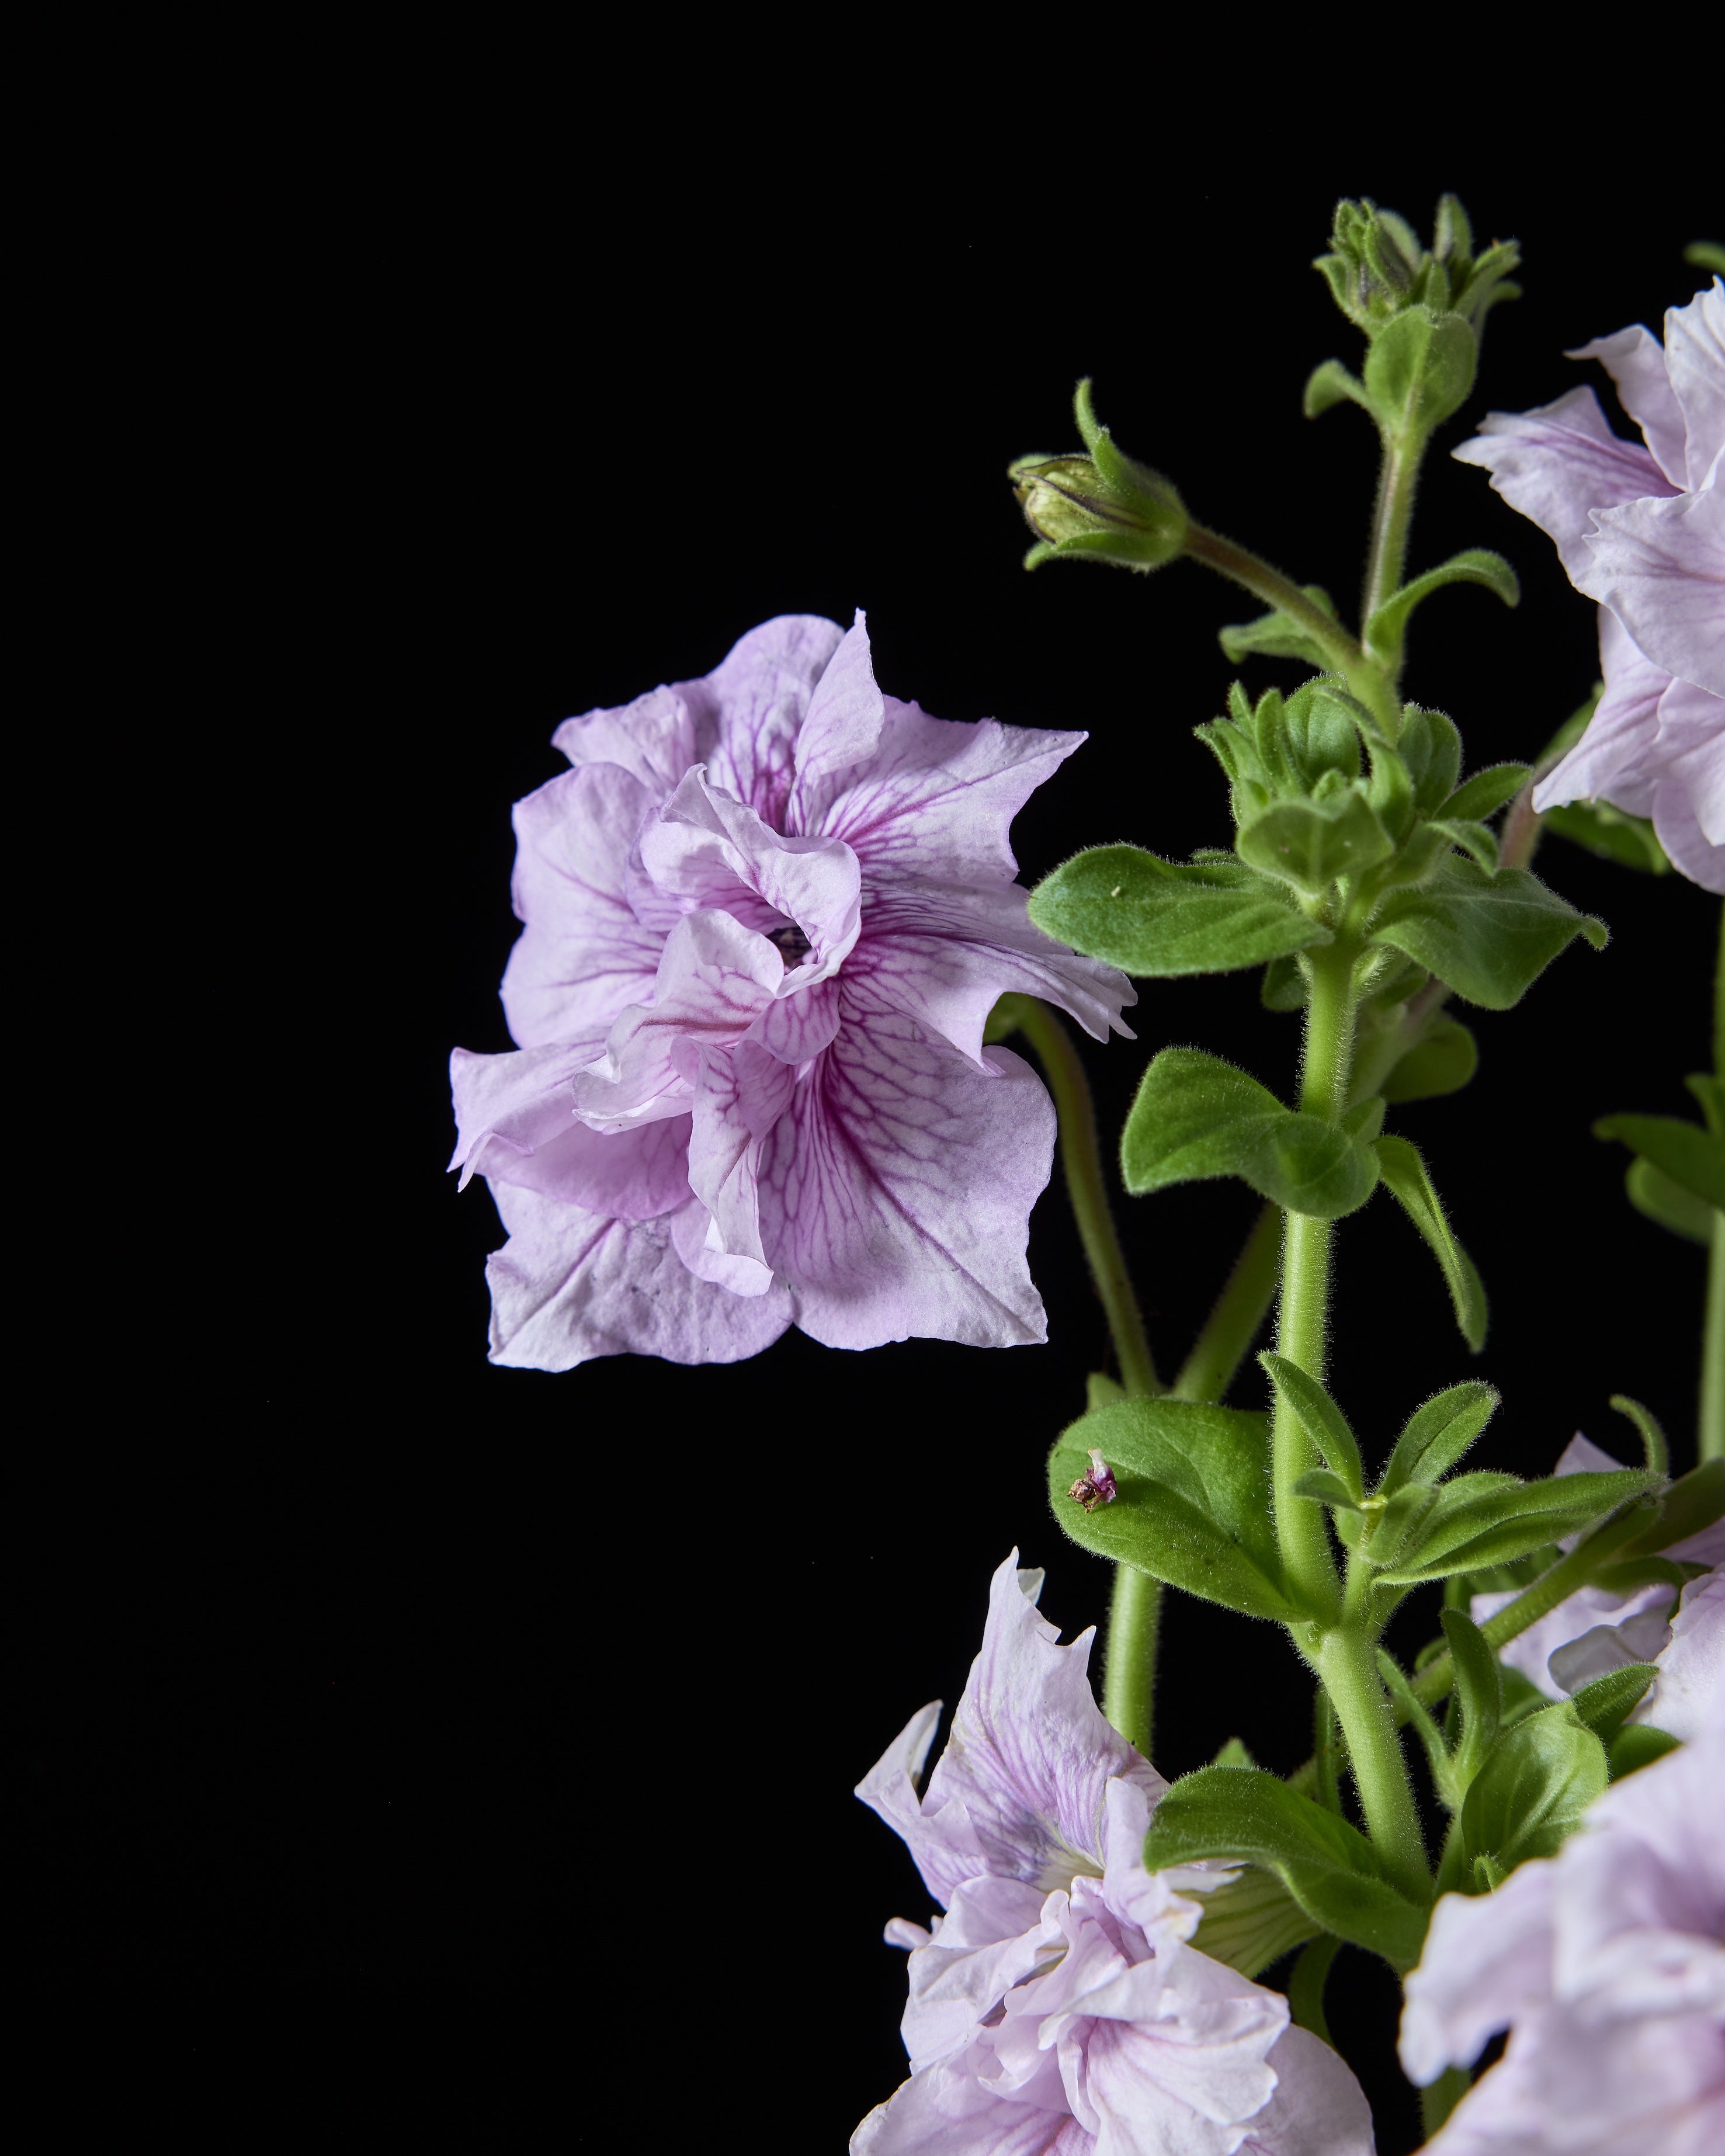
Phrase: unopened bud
(1096, 1487)
(1101, 504)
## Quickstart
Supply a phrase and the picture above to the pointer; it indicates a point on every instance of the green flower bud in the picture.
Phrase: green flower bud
(1102, 504)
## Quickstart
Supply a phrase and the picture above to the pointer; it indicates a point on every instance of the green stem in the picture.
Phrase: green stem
(1135, 1613)
(1081, 1158)
(1240, 1310)
(1713, 1360)
(1347, 1663)
(1397, 477)
(1441, 2098)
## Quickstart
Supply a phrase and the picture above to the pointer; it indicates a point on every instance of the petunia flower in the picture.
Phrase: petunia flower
(1595, 1630)
(1606, 1963)
(1055, 2007)
(1642, 530)
(766, 915)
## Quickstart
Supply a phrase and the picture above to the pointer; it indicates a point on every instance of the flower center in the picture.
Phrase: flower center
(792, 944)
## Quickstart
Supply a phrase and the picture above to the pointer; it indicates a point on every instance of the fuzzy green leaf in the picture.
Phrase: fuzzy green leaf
(1538, 1780)
(1404, 1177)
(1652, 1192)
(1488, 937)
(1479, 1691)
(1691, 1157)
(1485, 793)
(1420, 369)
(1438, 1434)
(1442, 1061)
(1387, 628)
(1252, 1921)
(1155, 919)
(1320, 1419)
(1312, 844)
(1470, 1527)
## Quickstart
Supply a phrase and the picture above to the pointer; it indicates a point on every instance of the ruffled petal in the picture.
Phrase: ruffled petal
(516, 1123)
(1689, 752)
(1609, 761)
(751, 708)
(1634, 360)
(652, 739)
(584, 954)
(845, 715)
(1486, 1962)
(1659, 566)
(569, 1286)
(1695, 357)
(1318, 2108)
(944, 953)
(1559, 464)
(949, 2111)
(740, 1093)
(937, 795)
(992, 1938)
(896, 1191)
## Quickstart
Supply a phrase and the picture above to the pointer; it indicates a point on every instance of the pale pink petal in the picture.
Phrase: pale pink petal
(1695, 355)
(749, 709)
(943, 953)
(1486, 1962)
(1678, 829)
(992, 1938)
(696, 1239)
(706, 849)
(652, 739)
(896, 1191)
(845, 715)
(582, 955)
(1318, 2108)
(937, 795)
(1610, 761)
(797, 1027)
(1688, 1698)
(516, 1123)
(740, 1093)
(1634, 360)
(715, 979)
(1659, 566)
(949, 2111)
(569, 1286)
(1559, 464)
(1691, 752)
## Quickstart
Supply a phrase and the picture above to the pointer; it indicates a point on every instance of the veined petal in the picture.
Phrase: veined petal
(583, 954)
(1634, 360)
(569, 1286)
(652, 739)
(993, 1937)
(749, 708)
(1695, 357)
(715, 977)
(1659, 566)
(1610, 761)
(944, 953)
(740, 1093)
(515, 1121)
(843, 726)
(896, 1191)
(937, 795)
(1559, 463)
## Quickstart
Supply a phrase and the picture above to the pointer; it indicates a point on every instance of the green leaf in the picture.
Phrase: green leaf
(1438, 1434)
(1306, 1987)
(1604, 1704)
(1537, 1781)
(1420, 369)
(1328, 1866)
(1327, 1489)
(1477, 840)
(1695, 1501)
(1330, 384)
(1320, 1419)
(1470, 1527)
(1192, 1501)
(1630, 840)
(1278, 635)
(1432, 746)
(1250, 1922)
(1233, 1753)
(1405, 1176)
(1637, 1746)
(1414, 1713)
(1399, 1525)
(1651, 1191)
(1196, 1117)
(1284, 987)
(1711, 1093)
(1688, 1155)
(1312, 844)
(1154, 919)
(1655, 1449)
(1387, 628)
(1485, 793)
(1443, 1060)
(1487, 938)
(1479, 1690)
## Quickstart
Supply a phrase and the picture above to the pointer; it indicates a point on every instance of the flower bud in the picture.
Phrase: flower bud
(1101, 504)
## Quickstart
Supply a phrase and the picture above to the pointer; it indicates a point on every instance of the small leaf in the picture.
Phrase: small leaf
(1233, 1753)
(1196, 1117)
(1278, 635)
(1485, 793)
(1604, 1704)
(1479, 1691)
(1420, 369)
(1405, 1176)
(1155, 919)
(1477, 840)
(1438, 1434)
(1328, 1866)
(1322, 1421)
(1655, 1449)
(1329, 384)
(1414, 1711)
(1327, 1489)
(1387, 628)
(1651, 1191)
(1306, 1987)
(1312, 844)
(1538, 1780)
(1481, 1526)
(1442, 1061)
(1399, 1525)
(1637, 1746)
(1432, 746)
(1487, 938)
(1691, 1157)
(1284, 987)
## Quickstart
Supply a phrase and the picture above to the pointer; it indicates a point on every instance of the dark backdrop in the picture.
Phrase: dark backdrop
(496, 1730)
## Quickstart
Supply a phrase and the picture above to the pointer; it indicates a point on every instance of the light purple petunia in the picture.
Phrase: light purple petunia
(1594, 1631)
(1607, 1965)
(766, 915)
(1642, 530)
(1056, 2008)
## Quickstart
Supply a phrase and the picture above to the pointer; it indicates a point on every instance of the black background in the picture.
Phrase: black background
(494, 1732)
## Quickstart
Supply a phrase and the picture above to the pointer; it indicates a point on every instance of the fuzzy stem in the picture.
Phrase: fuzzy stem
(1240, 1310)
(1397, 477)
(1129, 1658)
(1347, 1663)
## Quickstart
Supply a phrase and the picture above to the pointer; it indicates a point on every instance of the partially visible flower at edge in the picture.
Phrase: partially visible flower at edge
(766, 916)
(1642, 530)
(1607, 1965)
(1594, 1630)
(1056, 2008)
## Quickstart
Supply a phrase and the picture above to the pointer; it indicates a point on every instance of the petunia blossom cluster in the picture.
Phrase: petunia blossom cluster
(1606, 1963)
(1056, 2006)
(1642, 530)
(767, 914)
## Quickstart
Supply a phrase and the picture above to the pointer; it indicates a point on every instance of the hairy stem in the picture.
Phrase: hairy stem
(1240, 1310)
(1397, 477)
(1081, 1158)
(1129, 1659)
(1347, 1663)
